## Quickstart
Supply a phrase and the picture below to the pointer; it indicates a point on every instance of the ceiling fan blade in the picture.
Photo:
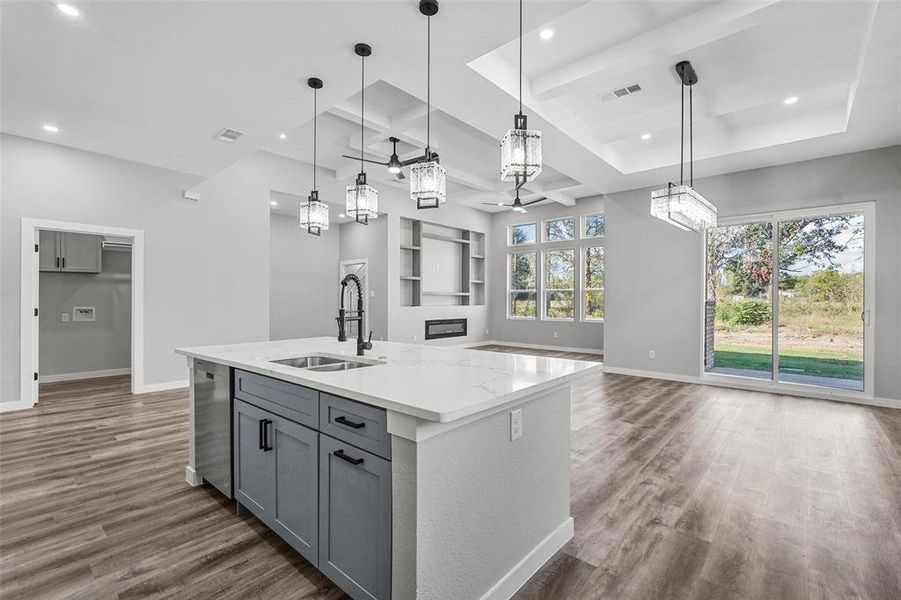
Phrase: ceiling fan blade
(400, 176)
(534, 201)
(496, 204)
(375, 162)
(410, 161)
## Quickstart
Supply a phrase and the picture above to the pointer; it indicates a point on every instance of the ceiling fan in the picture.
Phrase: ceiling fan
(394, 164)
(518, 205)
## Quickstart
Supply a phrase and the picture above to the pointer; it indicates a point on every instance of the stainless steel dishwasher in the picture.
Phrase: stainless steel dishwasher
(212, 424)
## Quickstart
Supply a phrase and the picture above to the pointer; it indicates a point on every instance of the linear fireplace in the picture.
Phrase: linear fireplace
(444, 328)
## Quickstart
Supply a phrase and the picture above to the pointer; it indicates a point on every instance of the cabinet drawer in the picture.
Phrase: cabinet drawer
(359, 424)
(295, 402)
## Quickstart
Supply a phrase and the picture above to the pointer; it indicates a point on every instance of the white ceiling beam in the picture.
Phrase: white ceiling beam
(691, 31)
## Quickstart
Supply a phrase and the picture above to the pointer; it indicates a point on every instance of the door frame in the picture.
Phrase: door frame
(30, 296)
(365, 263)
(868, 209)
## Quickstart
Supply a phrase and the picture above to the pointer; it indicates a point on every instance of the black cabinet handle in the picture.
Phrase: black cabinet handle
(343, 420)
(64, 262)
(57, 262)
(262, 426)
(354, 461)
(267, 443)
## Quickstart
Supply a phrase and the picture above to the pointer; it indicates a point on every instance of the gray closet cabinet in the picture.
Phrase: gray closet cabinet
(69, 252)
(276, 467)
(355, 519)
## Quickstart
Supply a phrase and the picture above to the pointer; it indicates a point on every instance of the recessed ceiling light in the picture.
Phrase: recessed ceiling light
(645, 136)
(790, 100)
(546, 34)
(68, 10)
(51, 128)
(273, 203)
(282, 136)
(341, 216)
(500, 203)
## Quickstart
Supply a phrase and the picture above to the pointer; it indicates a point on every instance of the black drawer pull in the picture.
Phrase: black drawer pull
(354, 461)
(343, 420)
(267, 443)
(262, 425)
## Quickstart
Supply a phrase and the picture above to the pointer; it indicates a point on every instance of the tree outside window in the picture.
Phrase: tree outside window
(594, 283)
(523, 285)
(559, 280)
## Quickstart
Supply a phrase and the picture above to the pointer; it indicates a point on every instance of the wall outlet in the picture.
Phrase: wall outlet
(486, 331)
(414, 337)
(64, 317)
(555, 335)
(652, 354)
(371, 293)
(515, 424)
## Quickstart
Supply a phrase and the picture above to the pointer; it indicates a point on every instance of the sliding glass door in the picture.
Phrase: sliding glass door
(785, 300)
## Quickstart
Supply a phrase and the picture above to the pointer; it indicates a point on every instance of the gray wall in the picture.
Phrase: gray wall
(654, 271)
(570, 334)
(301, 304)
(99, 345)
(369, 241)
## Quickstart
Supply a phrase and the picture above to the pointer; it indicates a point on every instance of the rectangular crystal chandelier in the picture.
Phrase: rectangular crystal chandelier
(427, 184)
(521, 152)
(682, 206)
(362, 200)
(314, 214)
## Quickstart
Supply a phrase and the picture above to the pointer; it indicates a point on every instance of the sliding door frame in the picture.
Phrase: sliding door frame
(868, 316)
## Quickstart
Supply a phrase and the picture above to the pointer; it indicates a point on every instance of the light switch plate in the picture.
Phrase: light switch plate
(515, 424)
(64, 317)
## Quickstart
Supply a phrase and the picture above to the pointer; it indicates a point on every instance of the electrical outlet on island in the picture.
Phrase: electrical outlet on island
(515, 424)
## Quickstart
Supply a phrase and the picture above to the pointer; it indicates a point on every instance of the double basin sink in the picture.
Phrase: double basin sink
(323, 363)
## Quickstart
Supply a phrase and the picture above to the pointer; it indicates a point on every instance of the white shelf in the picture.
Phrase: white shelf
(408, 247)
(445, 293)
(445, 238)
(410, 277)
(477, 256)
(477, 281)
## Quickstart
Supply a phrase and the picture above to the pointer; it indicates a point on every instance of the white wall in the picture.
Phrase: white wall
(301, 303)
(654, 271)
(570, 334)
(72, 347)
(366, 241)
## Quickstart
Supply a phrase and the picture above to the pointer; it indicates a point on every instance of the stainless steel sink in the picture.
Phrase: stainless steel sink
(317, 362)
(307, 362)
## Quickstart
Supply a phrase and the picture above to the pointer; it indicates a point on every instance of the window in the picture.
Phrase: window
(523, 285)
(559, 283)
(593, 226)
(593, 309)
(559, 230)
(523, 234)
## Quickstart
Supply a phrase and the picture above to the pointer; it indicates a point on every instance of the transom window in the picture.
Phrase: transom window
(593, 226)
(559, 230)
(526, 233)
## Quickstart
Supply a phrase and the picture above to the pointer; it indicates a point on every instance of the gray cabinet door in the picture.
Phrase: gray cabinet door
(254, 462)
(296, 514)
(48, 247)
(355, 519)
(81, 253)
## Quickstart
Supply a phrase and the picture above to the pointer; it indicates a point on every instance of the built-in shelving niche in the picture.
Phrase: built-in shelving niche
(441, 265)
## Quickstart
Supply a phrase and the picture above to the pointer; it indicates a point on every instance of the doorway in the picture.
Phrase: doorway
(789, 299)
(360, 268)
(43, 243)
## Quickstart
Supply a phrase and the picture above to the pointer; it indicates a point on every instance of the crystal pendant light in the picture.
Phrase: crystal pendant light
(313, 212)
(681, 205)
(427, 178)
(521, 146)
(362, 200)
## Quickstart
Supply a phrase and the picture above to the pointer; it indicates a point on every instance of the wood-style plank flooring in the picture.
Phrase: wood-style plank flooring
(679, 491)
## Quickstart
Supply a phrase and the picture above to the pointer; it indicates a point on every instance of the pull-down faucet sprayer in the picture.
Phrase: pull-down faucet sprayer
(342, 317)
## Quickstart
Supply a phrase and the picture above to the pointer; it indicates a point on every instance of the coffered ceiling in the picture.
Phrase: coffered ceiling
(155, 81)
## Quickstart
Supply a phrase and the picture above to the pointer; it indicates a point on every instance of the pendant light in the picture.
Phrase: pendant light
(521, 146)
(362, 200)
(681, 205)
(428, 177)
(313, 213)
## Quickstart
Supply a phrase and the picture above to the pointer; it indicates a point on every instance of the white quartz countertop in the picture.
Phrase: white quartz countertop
(429, 382)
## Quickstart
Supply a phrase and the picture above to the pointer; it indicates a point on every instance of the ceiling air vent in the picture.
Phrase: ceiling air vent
(621, 92)
(229, 136)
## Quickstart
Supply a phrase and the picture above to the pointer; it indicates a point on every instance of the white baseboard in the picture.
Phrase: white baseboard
(739, 384)
(163, 386)
(15, 405)
(83, 375)
(192, 477)
(531, 562)
(532, 346)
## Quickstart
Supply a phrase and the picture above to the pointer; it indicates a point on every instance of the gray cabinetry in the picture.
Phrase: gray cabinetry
(69, 252)
(355, 519)
(276, 467)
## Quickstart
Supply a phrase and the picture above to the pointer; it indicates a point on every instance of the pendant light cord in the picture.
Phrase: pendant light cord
(691, 136)
(314, 138)
(520, 56)
(682, 137)
(428, 89)
(362, 106)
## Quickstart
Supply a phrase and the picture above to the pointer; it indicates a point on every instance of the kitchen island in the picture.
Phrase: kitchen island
(413, 472)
